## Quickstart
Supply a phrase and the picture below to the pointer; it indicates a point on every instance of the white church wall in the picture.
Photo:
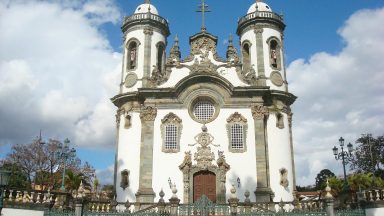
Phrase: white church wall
(129, 157)
(175, 77)
(279, 157)
(231, 75)
(217, 129)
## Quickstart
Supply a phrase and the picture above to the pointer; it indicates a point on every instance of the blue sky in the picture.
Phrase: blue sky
(60, 64)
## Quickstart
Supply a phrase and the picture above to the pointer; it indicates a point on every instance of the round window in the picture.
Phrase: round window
(204, 111)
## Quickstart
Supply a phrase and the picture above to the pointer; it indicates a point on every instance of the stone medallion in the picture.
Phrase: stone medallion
(276, 78)
(130, 80)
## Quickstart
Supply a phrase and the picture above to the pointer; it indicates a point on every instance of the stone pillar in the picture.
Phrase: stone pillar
(247, 203)
(78, 208)
(174, 205)
(263, 191)
(329, 201)
(260, 57)
(145, 192)
(148, 31)
(233, 201)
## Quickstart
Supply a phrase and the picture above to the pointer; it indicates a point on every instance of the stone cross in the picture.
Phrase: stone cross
(203, 8)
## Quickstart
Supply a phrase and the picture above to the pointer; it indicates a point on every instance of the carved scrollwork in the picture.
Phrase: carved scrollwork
(236, 117)
(157, 77)
(204, 66)
(259, 111)
(284, 177)
(148, 30)
(187, 162)
(232, 57)
(148, 113)
(171, 118)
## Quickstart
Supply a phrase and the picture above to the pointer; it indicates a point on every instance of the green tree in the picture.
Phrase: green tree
(322, 177)
(17, 179)
(368, 155)
(73, 180)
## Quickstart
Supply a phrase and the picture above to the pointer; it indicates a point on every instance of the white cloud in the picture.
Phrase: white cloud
(105, 176)
(338, 95)
(54, 63)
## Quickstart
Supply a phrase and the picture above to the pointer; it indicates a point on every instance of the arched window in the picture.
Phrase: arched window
(246, 56)
(171, 132)
(274, 53)
(132, 55)
(160, 60)
(237, 130)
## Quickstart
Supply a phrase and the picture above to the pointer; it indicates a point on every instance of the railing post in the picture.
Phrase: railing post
(161, 203)
(174, 201)
(247, 203)
(329, 201)
(233, 201)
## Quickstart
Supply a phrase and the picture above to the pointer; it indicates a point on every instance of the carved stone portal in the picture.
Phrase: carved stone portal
(204, 158)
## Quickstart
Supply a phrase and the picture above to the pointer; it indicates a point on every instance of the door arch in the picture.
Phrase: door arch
(204, 183)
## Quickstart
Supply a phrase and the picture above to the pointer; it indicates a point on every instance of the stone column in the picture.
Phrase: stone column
(290, 114)
(78, 208)
(263, 191)
(118, 118)
(148, 31)
(145, 192)
(260, 57)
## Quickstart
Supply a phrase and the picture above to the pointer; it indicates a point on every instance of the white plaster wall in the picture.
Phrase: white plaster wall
(374, 212)
(267, 33)
(20, 212)
(279, 157)
(166, 164)
(129, 157)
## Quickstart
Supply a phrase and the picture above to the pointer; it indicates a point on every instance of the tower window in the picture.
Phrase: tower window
(171, 132)
(237, 130)
(160, 57)
(132, 56)
(246, 57)
(274, 53)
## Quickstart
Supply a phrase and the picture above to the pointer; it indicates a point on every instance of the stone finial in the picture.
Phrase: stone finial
(233, 192)
(174, 191)
(328, 190)
(246, 194)
(161, 194)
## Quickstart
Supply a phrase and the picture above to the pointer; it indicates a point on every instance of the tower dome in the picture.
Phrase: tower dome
(259, 6)
(145, 8)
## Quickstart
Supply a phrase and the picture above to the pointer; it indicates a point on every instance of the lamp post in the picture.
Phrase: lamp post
(4, 179)
(343, 155)
(66, 155)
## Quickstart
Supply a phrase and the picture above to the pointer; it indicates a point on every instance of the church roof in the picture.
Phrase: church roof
(259, 6)
(145, 8)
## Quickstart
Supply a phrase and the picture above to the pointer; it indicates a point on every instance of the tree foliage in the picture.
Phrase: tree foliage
(38, 163)
(368, 155)
(322, 177)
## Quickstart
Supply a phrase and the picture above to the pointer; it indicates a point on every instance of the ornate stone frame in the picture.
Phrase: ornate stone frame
(278, 53)
(171, 119)
(279, 120)
(204, 98)
(127, 45)
(237, 118)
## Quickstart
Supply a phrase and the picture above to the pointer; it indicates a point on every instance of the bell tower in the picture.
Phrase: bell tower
(261, 39)
(145, 39)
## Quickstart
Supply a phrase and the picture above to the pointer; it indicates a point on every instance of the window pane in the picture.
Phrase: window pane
(170, 137)
(204, 110)
(237, 136)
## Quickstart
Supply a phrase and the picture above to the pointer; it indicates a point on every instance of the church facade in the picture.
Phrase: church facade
(203, 123)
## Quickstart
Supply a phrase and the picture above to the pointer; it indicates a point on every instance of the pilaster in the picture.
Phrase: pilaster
(148, 32)
(145, 193)
(263, 191)
(290, 114)
(260, 57)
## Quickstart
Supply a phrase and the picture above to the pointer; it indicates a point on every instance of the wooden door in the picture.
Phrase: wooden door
(204, 182)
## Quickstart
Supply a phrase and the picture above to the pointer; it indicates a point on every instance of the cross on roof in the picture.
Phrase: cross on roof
(203, 8)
